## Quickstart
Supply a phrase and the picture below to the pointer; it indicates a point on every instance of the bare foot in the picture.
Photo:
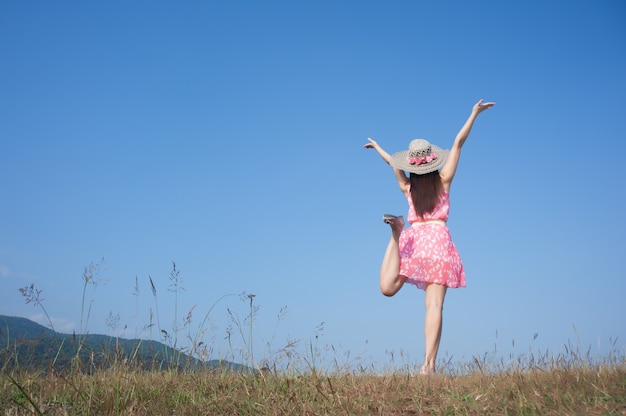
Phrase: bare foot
(427, 371)
(396, 222)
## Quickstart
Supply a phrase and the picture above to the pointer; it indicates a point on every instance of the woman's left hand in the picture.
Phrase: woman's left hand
(371, 145)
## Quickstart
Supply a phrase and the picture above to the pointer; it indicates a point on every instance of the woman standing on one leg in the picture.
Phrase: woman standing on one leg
(424, 254)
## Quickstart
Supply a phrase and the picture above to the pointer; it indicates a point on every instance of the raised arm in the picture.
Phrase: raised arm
(403, 180)
(449, 169)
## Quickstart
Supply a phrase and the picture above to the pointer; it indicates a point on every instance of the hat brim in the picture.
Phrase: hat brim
(400, 160)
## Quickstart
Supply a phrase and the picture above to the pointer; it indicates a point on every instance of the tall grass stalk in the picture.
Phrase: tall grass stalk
(176, 286)
(198, 346)
(33, 295)
(250, 326)
(91, 276)
(245, 330)
(136, 293)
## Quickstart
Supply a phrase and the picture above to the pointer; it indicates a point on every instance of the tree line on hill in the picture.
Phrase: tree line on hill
(27, 345)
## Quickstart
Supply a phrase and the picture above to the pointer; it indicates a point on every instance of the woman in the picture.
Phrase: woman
(424, 254)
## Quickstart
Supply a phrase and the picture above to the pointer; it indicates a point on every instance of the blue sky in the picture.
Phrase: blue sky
(227, 137)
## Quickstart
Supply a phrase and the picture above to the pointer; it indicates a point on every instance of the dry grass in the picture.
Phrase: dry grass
(587, 390)
(569, 383)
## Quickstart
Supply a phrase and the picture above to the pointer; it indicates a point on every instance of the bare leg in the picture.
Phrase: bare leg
(435, 295)
(390, 280)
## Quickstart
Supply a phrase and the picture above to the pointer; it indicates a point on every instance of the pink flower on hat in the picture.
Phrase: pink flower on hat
(422, 159)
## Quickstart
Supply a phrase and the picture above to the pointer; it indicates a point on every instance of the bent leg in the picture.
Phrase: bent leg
(435, 295)
(390, 281)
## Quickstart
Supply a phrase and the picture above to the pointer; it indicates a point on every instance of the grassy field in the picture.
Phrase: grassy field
(114, 383)
(584, 390)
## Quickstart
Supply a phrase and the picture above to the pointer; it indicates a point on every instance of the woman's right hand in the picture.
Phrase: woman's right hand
(481, 106)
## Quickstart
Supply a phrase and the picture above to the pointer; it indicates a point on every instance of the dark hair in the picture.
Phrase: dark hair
(425, 190)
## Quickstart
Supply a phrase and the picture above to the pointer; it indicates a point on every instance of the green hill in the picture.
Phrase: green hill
(29, 345)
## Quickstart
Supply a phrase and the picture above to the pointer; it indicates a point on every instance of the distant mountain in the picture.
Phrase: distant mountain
(11, 327)
(29, 345)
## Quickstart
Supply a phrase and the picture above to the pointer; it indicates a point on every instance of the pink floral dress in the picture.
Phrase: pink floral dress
(427, 253)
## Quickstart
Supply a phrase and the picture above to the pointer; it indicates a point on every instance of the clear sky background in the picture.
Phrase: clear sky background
(227, 137)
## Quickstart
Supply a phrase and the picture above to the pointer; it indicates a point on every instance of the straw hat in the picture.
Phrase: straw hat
(422, 157)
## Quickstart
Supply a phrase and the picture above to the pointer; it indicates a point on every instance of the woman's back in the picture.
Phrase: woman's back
(440, 212)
